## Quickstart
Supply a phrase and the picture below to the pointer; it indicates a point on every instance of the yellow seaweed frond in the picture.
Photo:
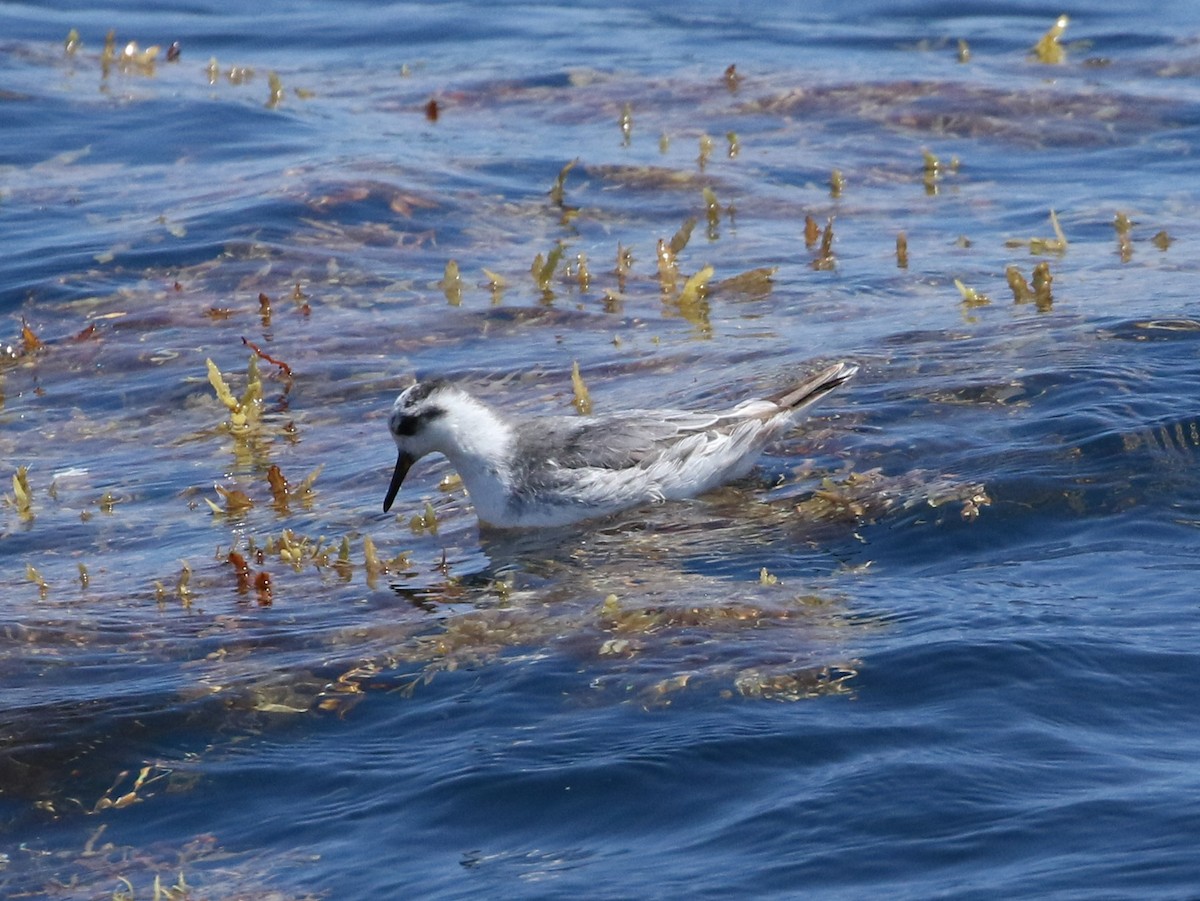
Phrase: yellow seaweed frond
(244, 413)
(696, 286)
(236, 501)
(970, 296)
(278, 484)
(305, 487)
(275, 84)
(626, 123)
(22, 492)
(1124, 226)
(1020, 288)
(624, 265)
(1056, 245)
(583, 275)
(1048, 49)
(426, 521)
(32, 575)
(1059, 244)
(543, 267)
(451, 284)
(342, 565)
(1042, 280)
(751, 283)
(224, 395)
(30, 342)
(496, 283)
(812, 231)
(252, 397)
(680, 239)
(558, 189)
(374, 565)
(183, 585)
(667, 270)
(111, 800)
(495, 280)
(825, 259)
(712, 211)
(583, 398)
(133, 57)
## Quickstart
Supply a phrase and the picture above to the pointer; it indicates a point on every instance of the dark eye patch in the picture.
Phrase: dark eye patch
(408, 424)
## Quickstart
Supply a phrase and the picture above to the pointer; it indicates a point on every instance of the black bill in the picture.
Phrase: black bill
(404, 463)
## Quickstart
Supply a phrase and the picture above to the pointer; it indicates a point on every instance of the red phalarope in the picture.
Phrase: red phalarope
(555, 470)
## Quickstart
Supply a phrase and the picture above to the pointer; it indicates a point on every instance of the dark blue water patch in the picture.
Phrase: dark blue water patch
(1090, 186)
(1094, 436)
(156, 130)
(785, 794)
(53, 118)
(163, 130)
(204, 30)
(1033, 589)
(101, 531)
(24, 283)
(74, 748)
(64, 739)
(427, 32)
(964, 814)
(501, 792)
(788, 795)
(1058, 677)
(526, 82)
(1026, 519)
(1065, 687)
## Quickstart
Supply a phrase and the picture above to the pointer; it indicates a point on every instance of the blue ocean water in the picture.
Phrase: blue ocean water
(938, 646)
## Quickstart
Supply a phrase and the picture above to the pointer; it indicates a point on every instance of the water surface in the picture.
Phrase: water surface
(939, 643)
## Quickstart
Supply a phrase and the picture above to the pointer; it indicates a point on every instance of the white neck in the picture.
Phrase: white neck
(479, 451)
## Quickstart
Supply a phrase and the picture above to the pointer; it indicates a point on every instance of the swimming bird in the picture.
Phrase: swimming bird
(556, 470)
